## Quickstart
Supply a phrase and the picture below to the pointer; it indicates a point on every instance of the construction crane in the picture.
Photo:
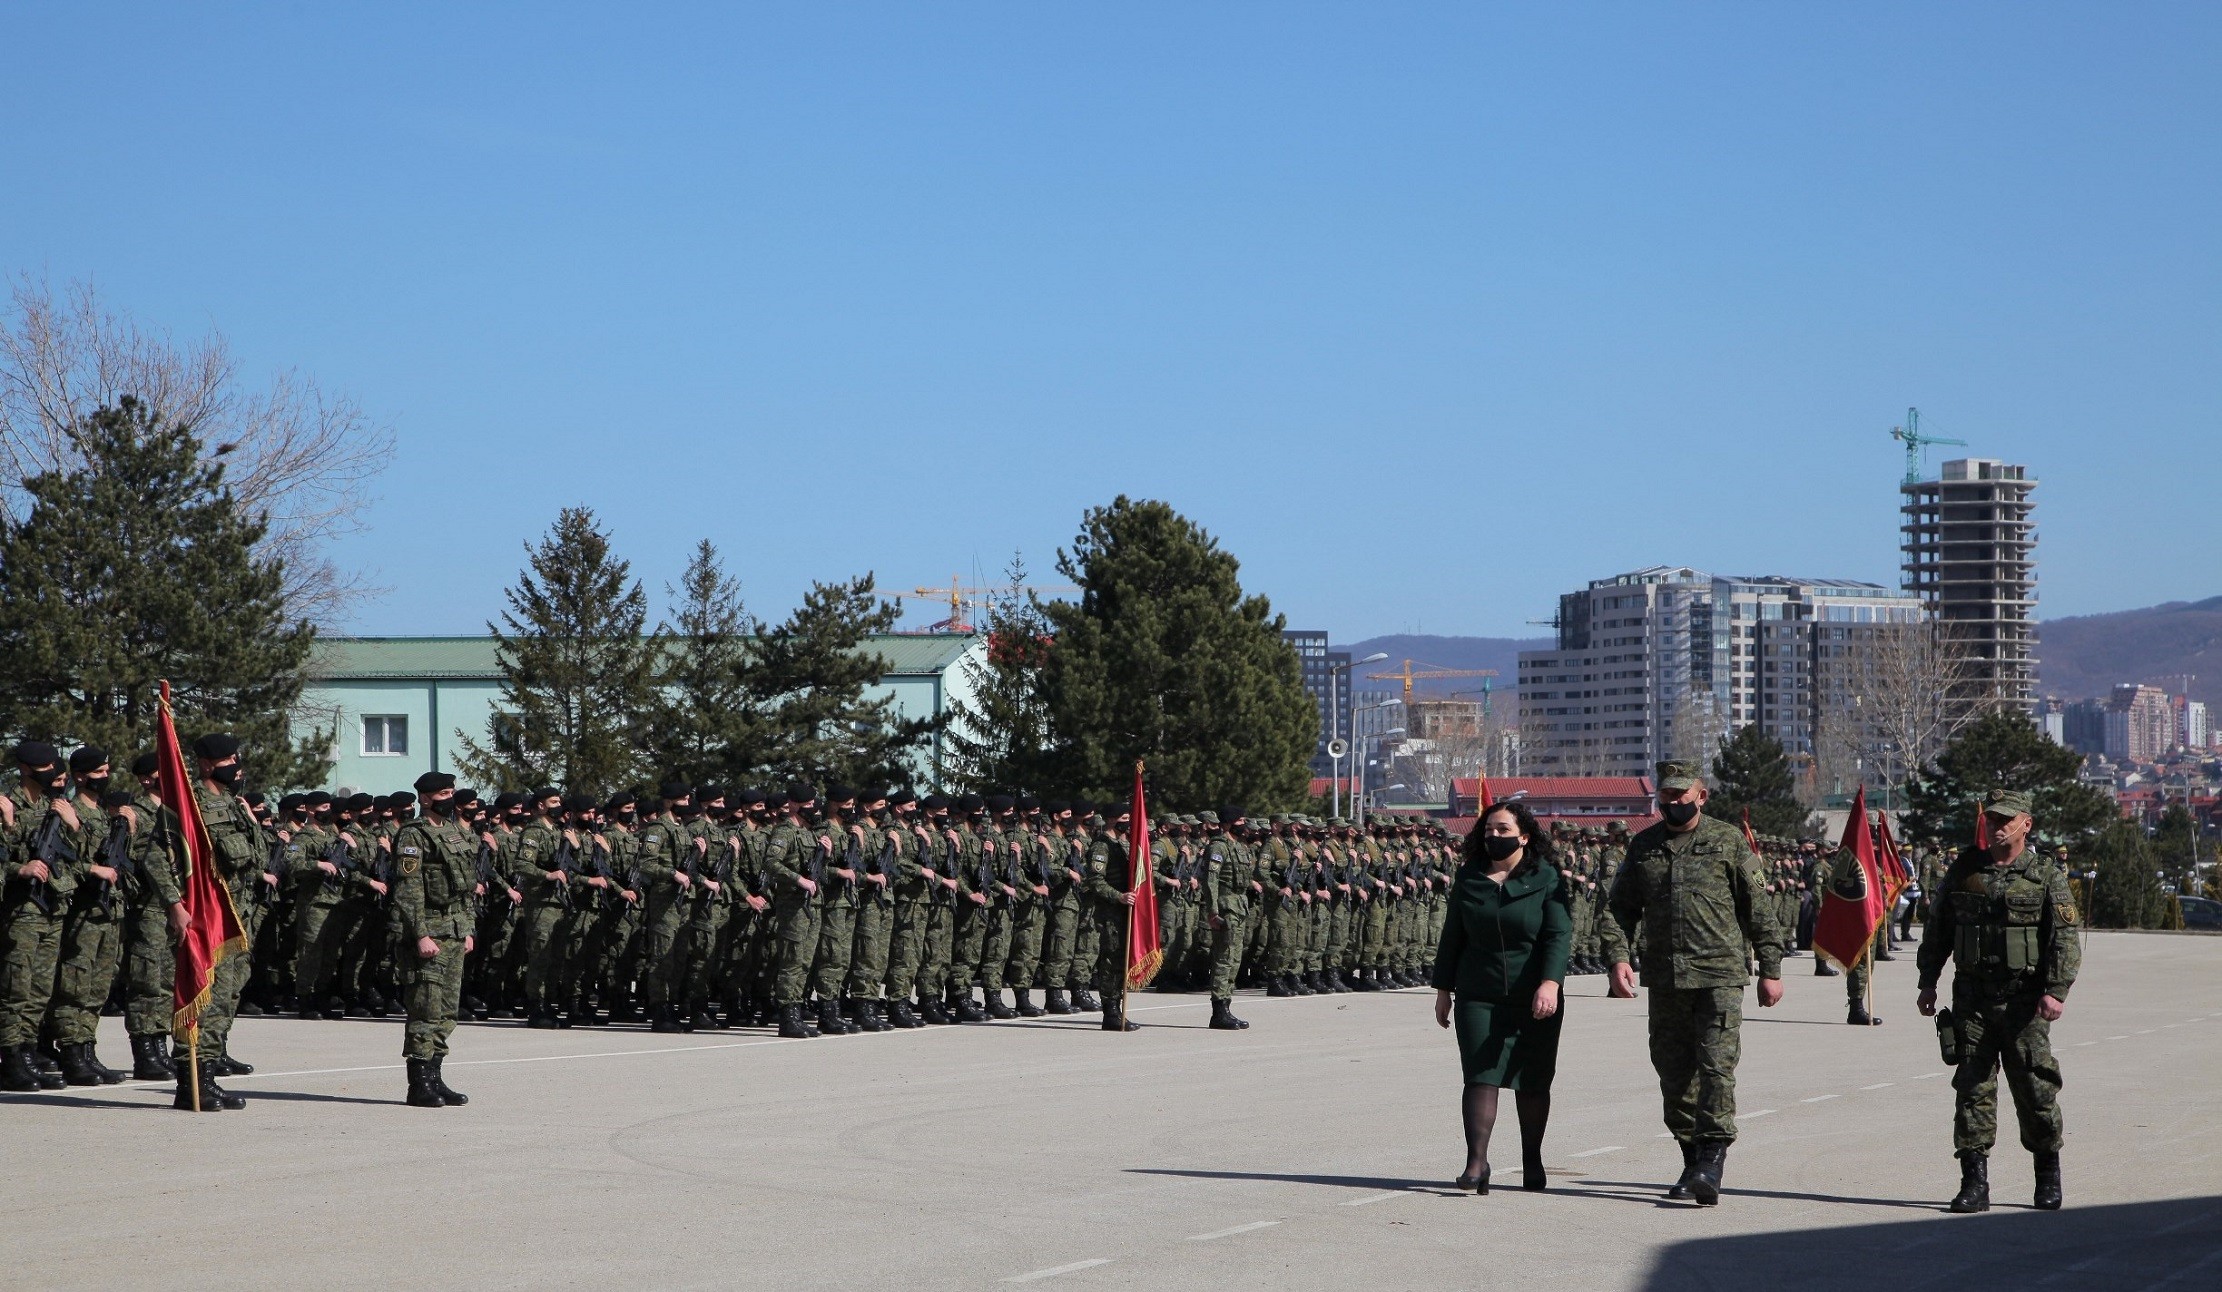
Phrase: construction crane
(1915, 442)
(959, 596)
(1484, 693)
(1407, 675)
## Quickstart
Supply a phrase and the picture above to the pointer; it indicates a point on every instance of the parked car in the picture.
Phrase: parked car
(2201, 913)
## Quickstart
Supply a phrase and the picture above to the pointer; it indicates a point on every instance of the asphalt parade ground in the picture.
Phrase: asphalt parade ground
(1312, 1151)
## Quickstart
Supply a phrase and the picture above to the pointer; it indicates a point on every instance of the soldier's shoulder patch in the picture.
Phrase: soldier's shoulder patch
(410, 851)
(2066, 912)
(410, 861)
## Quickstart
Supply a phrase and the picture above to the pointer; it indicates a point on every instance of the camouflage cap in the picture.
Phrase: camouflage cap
(1207, 818)
(1679, 774)
(2007, 803)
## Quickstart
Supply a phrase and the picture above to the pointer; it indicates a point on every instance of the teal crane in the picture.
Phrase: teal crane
(1916, 441)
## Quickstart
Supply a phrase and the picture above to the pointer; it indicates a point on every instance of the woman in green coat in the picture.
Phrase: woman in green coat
(1498, 971)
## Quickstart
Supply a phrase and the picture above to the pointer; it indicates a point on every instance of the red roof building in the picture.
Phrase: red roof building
(1560, 796)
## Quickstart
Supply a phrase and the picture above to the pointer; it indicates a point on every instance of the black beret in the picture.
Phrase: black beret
(544, 793)
(434, 782)
(382, 802)
(256, 798)
(35, 753)
(216, 746)
(1230, 815)
(775, 799)
(1028, 803)
(839, 793)
(971, 803)
(937, 803)
(578, 803)
(900, 797)
(1083, 807)
(621, 799)
(292, 802)
(116, 799)
(361, 803)
(145, 763)
(801, 792)
(708, 793)
(85, 758)
(749, 798)
(465, 796)
(1056, 807)
(675, 789)
(403, 798)
(1001, 803)
(507, 799)
(871, 794)
(317, 799)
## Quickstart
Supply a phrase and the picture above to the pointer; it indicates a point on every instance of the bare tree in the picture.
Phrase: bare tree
(1913, 688)
(295, 453)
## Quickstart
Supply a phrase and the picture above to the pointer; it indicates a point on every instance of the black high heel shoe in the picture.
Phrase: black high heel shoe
(1478, 1183)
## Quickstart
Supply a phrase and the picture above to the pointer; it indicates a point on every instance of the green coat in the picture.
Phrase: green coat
(1504, 941)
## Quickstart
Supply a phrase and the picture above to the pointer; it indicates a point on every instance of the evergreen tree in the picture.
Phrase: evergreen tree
(2127, 893)
(1163, 658)
(1752, 771)
(577, 672)
(807, 686)
(999, 737)
(2173, 848)
(700, 714)
(136, 566)
(2004, 751)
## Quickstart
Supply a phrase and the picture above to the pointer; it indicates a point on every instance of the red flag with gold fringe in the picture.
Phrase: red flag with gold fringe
(1144, 955)
(1854, 901)
(215, 932)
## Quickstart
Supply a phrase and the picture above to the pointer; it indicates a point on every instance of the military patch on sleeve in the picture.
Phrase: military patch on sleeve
(2066, 911)
(409, 860)
(410, 852)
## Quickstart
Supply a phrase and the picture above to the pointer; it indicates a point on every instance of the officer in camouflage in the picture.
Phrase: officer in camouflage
(1690, 892)
(436, 915)
(2006, 919)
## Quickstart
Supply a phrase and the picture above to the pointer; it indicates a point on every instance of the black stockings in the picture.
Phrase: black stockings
(1479, 1110)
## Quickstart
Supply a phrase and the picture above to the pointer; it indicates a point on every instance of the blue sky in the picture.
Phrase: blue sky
(1428, 312)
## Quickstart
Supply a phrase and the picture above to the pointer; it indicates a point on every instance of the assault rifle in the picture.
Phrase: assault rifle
(50, 846)
(115, 853)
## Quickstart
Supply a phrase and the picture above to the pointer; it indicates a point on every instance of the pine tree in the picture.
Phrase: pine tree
(1752, 771)
(2127, 892)
(139, 566)
(2004, 751)
(807, 686)
(999, 737)
(577, 673)
(700, 714)
(1163, 658)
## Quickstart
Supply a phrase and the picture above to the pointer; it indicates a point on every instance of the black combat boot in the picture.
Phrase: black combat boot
(449, 1095)
(930, 1010)
(1363, 980)
(969, 1011)
(422, 1093)
(1085, 1002)
(996, 1008)
(81, 1061)
(541, 1018)
(874, 1019)
(1276, 986)
(1054, 1002)
(1859, 1017)
(661, 1018)
(1705, 1185)
(1114, 1016)
(336, 1009)
(227, 1066)
(1681, 1189)
(1316, 980)
(899, 1015)
(1223, 1019)
(2048, 1182)
(830, 1021)
(1975, 1185)
(1026, 1006)
(16, 1073)
(704, 1019)
(790, 1023)
(46, 1056)
(214, 1098)
(1822, 968)
(1335, 981)
(146, 1065)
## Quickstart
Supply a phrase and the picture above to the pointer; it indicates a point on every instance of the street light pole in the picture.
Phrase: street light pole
(1334, 718)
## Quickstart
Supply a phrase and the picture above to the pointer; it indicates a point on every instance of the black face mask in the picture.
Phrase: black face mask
(93, 785)
(1497, 847)
(227, 775)
(58, 788)
(1678, 813)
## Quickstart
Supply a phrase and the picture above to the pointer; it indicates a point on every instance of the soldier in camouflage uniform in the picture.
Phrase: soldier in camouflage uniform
(44, 868)
(1229, 883)
(435, 917)
(154, 914)
(2006, 919)
(92, 931)
(1689, 890)
(1108, 882)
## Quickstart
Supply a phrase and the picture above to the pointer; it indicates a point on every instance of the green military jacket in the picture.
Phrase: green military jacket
(1229, 871)
(435, 873)
(154, 877)
(237, 840)
(1693, 899)
(2011, 925)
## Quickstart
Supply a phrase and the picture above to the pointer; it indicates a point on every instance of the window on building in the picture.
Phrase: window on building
(385, 735)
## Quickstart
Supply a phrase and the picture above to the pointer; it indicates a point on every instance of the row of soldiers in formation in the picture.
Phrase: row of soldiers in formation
(822, 913)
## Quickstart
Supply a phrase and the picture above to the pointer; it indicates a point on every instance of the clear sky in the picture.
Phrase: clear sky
(1428, 312)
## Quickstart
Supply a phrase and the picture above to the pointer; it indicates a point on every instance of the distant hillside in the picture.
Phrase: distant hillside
(2085, 656)
(1499, 653)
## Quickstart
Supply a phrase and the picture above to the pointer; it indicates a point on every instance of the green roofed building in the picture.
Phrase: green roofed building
(396, 704)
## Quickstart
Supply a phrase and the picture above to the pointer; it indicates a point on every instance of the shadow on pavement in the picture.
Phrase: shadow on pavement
(1732, 1191)
(1373, 1182)
(2172, 1245)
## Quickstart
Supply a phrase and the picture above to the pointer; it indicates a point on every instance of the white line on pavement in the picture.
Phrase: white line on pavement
(1820, 1099)
(1928, 1076)
(1764, 1112)
(2195, 1266)
(2123, 1037)
(1229, 1233)
(1379, 1197)
(1609, 1148)
(1880, 1085)
(1056, 1270)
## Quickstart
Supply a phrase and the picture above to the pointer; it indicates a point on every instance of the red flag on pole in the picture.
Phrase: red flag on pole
(215, 932)
(1751, 840)
(1897, 876)
(1143, 953)
(1486, 801)
(1853, 902)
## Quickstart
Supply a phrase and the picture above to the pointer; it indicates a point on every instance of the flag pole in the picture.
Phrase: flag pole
(193, 1062)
